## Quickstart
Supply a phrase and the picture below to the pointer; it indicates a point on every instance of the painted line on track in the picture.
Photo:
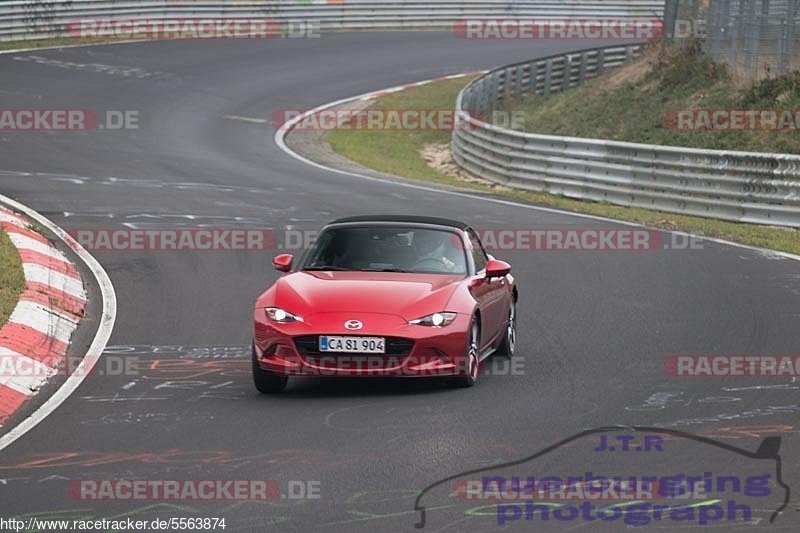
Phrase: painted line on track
(95, 351)
(285, 129)
(78, 45)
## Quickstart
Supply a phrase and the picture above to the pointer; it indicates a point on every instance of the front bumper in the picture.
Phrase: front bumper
(412, 351)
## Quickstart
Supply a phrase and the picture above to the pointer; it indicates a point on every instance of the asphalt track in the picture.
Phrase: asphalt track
(595, 327)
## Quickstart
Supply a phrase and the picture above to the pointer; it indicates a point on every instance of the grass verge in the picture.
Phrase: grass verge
(12, 279)
(400, 152)
(46, 43)
(640, 101)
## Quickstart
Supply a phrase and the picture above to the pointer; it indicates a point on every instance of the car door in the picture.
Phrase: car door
(491, 294)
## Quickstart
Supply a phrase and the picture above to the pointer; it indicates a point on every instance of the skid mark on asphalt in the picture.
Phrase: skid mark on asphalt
(394, 424)
(772, 410)
(754, 399)
(163, 182)
(180, 351)
(129, 417)
(173, 390)
(177, 372)
(177, 457)
(196, 220)
(97, 68)
(401, 422)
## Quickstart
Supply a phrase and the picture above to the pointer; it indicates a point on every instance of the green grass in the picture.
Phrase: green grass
(631, 104)
(12, 279)
(398, 152)
(45, 43)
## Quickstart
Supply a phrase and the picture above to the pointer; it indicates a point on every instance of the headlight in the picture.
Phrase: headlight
(436, 320)
(279, 315)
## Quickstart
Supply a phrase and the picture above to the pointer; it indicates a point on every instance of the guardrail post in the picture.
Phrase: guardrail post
(567, 73)
(486, 96)
(582, 74)
(670, 18)
(534, 83)
(495, 91)
(601, 62)
(548, 77)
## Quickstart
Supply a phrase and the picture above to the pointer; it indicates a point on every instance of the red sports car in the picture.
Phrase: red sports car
(385, 296)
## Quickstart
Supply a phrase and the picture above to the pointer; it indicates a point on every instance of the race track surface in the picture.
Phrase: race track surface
(595, 327)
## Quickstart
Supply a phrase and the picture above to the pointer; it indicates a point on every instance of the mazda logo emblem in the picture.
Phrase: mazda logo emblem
(353, 324)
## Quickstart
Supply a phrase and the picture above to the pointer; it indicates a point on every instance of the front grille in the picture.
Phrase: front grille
(309, 346)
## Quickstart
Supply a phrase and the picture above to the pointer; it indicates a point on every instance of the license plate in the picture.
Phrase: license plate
(352, 344)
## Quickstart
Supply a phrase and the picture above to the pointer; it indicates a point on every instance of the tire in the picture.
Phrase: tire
(509, 343)
(265, 381)
(472, 363)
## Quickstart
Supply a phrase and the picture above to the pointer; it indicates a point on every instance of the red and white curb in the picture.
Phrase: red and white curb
(37, 334)
(36, 337)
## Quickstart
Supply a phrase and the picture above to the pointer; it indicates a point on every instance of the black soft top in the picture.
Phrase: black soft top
(403, 219)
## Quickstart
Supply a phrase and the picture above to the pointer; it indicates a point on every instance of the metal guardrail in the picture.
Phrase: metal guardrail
(750, 187)
(42, 19)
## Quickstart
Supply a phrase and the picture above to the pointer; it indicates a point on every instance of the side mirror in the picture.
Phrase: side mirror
(497, 269)
(283, 262)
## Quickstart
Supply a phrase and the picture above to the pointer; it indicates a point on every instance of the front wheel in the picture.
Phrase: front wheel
(509, 343)
(265, 381)
(472, 361)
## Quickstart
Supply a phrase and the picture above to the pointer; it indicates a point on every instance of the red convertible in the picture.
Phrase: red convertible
(385, 296)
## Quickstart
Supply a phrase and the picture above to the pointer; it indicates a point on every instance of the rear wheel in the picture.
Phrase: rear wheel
(509, 343)
(472, 362)
(267, 382)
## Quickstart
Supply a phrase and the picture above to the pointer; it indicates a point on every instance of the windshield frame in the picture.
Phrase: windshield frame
(303, 263)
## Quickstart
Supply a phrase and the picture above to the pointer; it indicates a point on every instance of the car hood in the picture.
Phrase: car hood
(406, 295)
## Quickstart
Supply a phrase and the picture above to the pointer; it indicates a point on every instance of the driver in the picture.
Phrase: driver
(439, 247)
(337, 251)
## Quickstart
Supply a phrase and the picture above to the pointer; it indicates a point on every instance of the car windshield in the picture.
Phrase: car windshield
(388, 249)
